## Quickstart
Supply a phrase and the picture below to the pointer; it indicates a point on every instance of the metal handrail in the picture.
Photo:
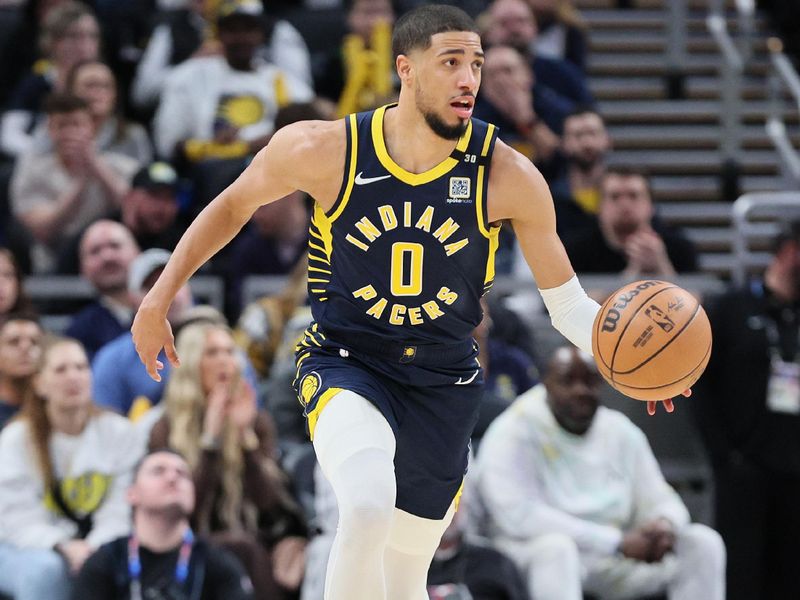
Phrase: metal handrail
(677, 34)
(734, 60)
(783, 76)
(774, 204)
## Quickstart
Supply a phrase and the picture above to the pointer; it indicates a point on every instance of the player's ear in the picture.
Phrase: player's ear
(405, 68)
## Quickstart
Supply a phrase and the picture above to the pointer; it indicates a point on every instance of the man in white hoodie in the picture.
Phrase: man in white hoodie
(571, 490)
(224, 106)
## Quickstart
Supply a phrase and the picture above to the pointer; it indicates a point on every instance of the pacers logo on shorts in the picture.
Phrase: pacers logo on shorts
(309, 386)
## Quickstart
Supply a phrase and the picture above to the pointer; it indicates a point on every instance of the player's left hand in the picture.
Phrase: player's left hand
(668, 405)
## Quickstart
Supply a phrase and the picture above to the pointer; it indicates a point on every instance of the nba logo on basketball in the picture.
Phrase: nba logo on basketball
(659, 318)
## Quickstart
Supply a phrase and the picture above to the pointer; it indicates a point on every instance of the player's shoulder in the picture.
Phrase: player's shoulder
(511, 176)
(313, 139)
(509, 163)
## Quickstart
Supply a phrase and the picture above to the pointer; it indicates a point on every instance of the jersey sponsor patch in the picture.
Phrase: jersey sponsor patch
(459, 188)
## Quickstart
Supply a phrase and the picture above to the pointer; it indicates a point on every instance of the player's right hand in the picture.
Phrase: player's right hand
(152, 332)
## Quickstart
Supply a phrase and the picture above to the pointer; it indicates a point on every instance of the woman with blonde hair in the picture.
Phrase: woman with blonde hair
(64, 468)
(243, 500)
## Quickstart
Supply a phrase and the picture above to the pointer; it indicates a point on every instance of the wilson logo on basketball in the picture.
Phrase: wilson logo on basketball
(614, 313)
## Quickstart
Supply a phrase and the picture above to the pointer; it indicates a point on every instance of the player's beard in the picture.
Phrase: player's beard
(435, 122)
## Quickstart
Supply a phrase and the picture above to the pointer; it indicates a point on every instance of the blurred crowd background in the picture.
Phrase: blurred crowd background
(121, 119)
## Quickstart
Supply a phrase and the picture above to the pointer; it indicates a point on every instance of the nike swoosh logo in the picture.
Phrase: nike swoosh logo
(470, 380)
(359, 180)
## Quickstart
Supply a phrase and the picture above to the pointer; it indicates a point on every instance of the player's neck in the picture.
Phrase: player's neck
(411, 143)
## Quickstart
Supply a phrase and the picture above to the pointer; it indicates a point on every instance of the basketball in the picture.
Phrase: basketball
(651, 340)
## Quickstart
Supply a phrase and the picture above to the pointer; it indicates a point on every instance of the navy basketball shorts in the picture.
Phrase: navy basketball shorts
(430, 395)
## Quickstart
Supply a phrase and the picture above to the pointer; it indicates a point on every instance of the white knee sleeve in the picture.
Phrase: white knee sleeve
(348, 424)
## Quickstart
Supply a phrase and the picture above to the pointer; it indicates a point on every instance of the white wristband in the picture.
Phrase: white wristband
(572, 312)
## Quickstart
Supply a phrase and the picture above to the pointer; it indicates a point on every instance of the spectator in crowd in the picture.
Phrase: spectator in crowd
(120, 380)
(272, 243)
(784, 18)
(70, 35)
(20, 346)
(262, 326)
(467, 569)
(243, 501)
(107, 249)
(223, 107)
(57, 194)
(183, 32)
(359, 75)
(572, 492)
(169, 561)
(64, 469)
(19, 49)
(561, 31)
(511, 23)
(95, 82)
(151, 207)
(506, 99)
(507, 372)
(748, 410)
(13, 298)
(576, 192)
(627, 238)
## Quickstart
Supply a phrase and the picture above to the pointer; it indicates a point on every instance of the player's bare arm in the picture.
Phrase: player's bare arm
(518, 193)
(308, 156)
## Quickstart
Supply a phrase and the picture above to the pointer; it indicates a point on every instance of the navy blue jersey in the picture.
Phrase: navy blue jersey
(402, 255)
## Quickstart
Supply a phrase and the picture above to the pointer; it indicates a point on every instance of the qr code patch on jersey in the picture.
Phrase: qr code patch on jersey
(459, 187)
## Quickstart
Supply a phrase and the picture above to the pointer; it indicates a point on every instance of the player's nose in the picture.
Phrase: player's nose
(468, 79)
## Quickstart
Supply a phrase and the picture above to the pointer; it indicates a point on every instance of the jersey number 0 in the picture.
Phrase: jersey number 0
(406, 268)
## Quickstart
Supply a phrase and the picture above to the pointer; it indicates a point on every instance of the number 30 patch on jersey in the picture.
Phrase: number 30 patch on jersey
(459, 187)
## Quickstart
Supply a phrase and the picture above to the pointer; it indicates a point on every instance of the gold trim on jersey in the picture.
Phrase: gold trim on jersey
(320, 248)
(340, 204)
(379, 143)
(492, 233)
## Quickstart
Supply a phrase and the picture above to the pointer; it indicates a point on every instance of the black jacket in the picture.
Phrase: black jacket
(731, 398)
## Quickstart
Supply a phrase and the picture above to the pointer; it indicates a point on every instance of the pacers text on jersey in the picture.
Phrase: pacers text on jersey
(402, 284)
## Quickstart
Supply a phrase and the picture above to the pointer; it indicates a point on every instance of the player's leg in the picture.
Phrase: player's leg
(409, 552)
(355, 447)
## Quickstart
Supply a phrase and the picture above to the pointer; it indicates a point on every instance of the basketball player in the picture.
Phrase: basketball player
(408, 204)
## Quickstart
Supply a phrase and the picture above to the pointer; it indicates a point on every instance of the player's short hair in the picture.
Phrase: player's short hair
(59, 104)
(414, 29)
